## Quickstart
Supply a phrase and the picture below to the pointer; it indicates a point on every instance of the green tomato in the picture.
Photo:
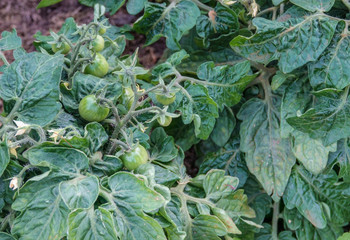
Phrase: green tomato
(99, 66)
(102, 31)
(166, 122)
(127, 97)
(64, 47)
(98, 44)
(166, 100)
(91, 111)
(135, 157)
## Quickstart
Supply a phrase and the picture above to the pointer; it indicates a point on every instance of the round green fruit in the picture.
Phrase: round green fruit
(98, 44)
(91, 111)
(99, 66)
(102, 31)
(135, 157)
(166, 99)
(127, 98)
(64, 47)
(166, 122)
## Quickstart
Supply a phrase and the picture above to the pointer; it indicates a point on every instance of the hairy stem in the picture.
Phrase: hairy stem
(275, 216)
(202, 5)
(267, 10)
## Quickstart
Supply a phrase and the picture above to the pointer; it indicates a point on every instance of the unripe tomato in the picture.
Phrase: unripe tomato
(127, 97)
(166, 99)
(166, 122)
(64, 47)
(98, 44)
(91, 111)
(102, 31)
(135, 157)
(99, 66)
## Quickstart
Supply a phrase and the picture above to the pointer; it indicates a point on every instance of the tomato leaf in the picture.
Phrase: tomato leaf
(91, 224)
(284, 41)
(158, 19)
(36, 92)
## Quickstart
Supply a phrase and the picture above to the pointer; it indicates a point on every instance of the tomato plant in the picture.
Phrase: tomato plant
(257, 94)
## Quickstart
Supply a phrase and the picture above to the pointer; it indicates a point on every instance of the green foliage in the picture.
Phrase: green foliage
(258, 98)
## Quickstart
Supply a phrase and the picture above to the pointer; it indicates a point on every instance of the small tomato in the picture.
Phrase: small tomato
(127, 98)
(135, 157)
(98, 44)
(64, 47)
(166, 99)
(99, 66)
(166, 121)
(91, 111)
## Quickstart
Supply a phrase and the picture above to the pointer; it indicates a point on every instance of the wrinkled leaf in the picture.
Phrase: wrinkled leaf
(268, 156)
(159, 19)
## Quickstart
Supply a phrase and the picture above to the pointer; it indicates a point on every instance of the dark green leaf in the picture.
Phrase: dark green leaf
(268, 156)
(310, 194)
(6, 236)
(80, 192)
(32, 81)
(4, 156)
(111, 6)
(328, 119)
(159, 19)
(230, 159)
(332, 68)
(201, 109)
(43, 212)
(66, 160)
(219, 27)
(163, 146)
(342, 157)
(294, 43)
(107, 166)
(234, 80)
(91, 225)
(315, 5)
(223, 127)
(130, 197)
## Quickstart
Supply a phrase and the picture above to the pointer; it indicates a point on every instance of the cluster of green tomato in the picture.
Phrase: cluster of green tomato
(99, 66)
(91, 110)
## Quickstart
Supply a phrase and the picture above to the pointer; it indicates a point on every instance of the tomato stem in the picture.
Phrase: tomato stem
(275, 216)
